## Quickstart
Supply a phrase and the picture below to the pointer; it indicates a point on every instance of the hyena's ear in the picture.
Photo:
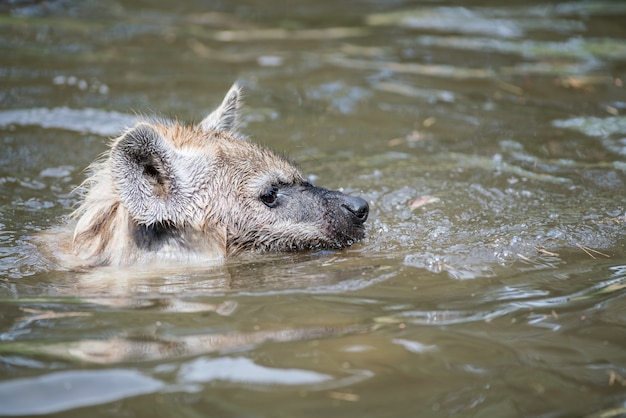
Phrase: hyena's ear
(150, 177)
(224, 118)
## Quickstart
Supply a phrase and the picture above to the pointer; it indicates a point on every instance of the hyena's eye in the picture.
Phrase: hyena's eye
(270, 197)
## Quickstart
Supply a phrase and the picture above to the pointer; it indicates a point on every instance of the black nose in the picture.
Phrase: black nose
(357, 207)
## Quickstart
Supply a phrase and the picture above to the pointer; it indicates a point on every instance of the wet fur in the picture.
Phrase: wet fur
(165, 191)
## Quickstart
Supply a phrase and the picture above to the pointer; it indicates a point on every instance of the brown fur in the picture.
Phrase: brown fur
(166, 192)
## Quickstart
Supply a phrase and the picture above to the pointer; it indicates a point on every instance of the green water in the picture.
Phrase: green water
(500, 296)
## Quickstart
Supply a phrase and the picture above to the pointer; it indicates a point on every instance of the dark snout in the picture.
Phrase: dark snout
(356, 207)
(344, 216)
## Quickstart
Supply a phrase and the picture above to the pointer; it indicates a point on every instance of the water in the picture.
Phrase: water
(487, 138)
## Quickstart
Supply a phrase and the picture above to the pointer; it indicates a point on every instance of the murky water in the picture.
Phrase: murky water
(489, 139)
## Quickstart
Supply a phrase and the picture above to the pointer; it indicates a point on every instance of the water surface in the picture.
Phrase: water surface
(489, 140)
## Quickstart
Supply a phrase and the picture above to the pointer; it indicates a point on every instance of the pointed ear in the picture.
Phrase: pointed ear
(224, 118)
(150, 179)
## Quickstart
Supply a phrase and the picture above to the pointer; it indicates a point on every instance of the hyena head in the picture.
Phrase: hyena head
(168, 191)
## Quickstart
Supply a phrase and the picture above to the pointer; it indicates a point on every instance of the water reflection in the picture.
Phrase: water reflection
(80, 120)
(538, 304)
(488, 140)
(138, 347)
(66, 390)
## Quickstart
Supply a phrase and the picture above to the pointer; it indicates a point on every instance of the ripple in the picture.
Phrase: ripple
(96, 121)
(63, 391)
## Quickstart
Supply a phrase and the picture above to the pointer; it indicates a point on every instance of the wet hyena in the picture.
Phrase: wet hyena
(166, 192)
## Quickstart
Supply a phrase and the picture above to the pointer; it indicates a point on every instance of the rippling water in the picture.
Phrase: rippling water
(488, 138)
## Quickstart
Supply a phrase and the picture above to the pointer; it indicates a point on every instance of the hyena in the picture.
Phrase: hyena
(169, 192)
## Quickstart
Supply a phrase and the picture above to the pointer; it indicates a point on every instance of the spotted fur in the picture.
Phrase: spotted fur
(166, 191)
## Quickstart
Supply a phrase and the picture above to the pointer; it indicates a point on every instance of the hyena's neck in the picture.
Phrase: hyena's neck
(106, 234)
